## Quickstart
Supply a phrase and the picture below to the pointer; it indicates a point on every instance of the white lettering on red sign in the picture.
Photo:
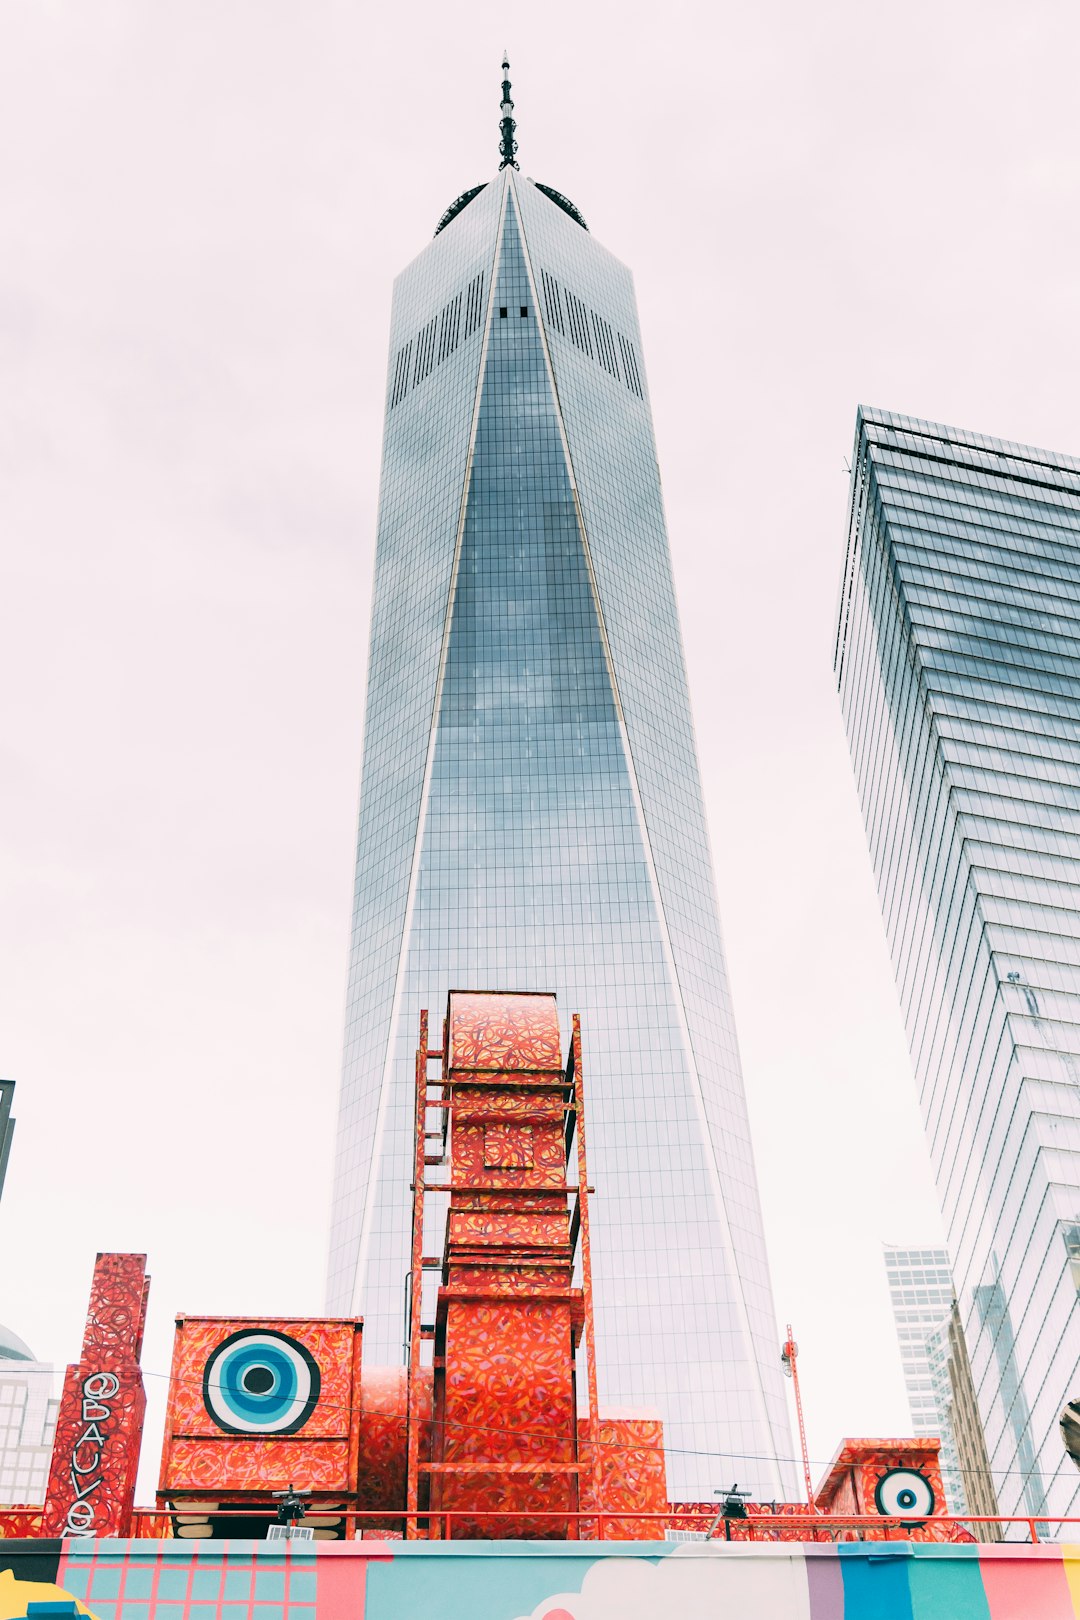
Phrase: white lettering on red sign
(98, 1389)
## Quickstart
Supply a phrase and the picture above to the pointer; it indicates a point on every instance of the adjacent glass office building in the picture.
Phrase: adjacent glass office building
(958, 663)
(531, 816)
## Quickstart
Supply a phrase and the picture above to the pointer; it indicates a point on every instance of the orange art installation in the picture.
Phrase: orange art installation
(95, 1457)
(896, 1481)
(507, 1117)
(257, 1406)
(492, 1429)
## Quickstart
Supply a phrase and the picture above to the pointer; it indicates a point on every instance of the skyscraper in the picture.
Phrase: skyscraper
(958, 663)
(531, 814)
(921, 1292)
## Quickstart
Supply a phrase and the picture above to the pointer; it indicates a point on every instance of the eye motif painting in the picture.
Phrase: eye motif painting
(258, 1382)
(905, 1492)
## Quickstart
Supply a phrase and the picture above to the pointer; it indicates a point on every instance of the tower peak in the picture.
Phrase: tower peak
(507, 123)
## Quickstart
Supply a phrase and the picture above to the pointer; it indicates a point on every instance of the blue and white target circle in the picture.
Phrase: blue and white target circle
(905, 1493)
(259, 1382)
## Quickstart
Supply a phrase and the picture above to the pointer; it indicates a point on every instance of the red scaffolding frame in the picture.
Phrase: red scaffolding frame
(437, 1094)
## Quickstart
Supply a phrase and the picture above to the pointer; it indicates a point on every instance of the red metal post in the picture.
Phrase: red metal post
(586, 1273)
(790, 1359)
(416, 1288)
(786, 1526)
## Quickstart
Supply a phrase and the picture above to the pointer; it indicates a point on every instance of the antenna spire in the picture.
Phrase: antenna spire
(507, 123)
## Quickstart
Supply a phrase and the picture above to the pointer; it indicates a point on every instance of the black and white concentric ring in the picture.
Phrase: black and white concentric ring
(906, 1493)
(261, 1382)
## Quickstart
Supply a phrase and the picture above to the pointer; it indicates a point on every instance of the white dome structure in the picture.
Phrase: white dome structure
(12, 1347)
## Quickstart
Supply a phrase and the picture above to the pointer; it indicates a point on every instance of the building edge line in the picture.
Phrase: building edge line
(654, 885)
(425, 791)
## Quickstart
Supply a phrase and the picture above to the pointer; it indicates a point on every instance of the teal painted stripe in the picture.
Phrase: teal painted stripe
(946, 1583)
(876, 1582)
(444, 1550)
(478, 1588)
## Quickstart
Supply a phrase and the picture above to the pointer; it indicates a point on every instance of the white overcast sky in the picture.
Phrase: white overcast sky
(202, 207)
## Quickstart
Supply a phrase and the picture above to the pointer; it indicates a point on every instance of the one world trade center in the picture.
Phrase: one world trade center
(531, 814)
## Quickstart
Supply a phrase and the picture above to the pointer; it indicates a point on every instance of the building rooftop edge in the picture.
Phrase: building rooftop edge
(559, 198)
(870, 416)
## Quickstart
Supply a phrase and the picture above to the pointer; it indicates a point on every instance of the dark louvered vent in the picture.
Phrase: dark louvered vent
(630, 366)
(605, 344)
(401, 374)
(474, 304)
(425, 351)
(449, 327)
(437, 340)
(591, 333)
(553, 302)
(579, 323)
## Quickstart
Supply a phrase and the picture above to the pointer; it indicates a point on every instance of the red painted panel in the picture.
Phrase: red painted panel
(503, 1031)
(99, 1428)
(632, 1475)
(204, 1459)
(1025, 1584)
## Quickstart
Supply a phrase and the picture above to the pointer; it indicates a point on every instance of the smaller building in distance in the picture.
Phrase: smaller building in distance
(921, 1291)
(937, 1374)
(949, 1358)
(28, 1407)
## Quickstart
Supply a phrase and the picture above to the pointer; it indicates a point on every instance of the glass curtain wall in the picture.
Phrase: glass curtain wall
(531, 819)
(958, 665)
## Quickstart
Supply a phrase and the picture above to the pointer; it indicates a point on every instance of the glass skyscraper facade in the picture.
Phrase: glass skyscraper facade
(921, 1293)
(531, 817)
(958, 663)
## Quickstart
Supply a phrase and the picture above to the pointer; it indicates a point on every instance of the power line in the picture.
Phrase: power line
(619, 1445)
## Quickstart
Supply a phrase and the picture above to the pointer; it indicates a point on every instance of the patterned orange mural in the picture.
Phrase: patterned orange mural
(485, 1418)
(257, 1405)
(503, 1031)
(633, 1479)
(384, 1416)
(95, 1456)
(900, 1477)
(506, 1437)
(896, 1484)
(482, 1435)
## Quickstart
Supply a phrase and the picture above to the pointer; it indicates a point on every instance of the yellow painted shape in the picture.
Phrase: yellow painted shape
(1070, 1557)
(15, 1595)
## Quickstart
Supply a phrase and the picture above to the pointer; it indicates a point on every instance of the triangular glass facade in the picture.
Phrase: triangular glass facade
(531, 819)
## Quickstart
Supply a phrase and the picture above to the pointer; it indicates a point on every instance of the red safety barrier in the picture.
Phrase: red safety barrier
(713, 1525)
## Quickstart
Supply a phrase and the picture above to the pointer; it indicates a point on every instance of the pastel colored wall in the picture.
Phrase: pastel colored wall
(387, 1580)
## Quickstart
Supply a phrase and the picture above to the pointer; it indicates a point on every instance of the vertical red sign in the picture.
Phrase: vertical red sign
(99, 1428)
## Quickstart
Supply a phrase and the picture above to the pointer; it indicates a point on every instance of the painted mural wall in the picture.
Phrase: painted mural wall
(374, 1580)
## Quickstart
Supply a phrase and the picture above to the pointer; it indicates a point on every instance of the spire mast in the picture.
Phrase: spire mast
(507, 123)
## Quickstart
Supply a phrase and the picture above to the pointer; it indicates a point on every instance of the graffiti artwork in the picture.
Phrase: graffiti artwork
(99, 1427)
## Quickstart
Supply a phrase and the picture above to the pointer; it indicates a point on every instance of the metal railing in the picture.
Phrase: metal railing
(438, 1523)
